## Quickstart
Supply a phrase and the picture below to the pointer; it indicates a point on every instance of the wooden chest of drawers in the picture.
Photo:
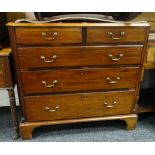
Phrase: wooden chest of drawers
(78, 72)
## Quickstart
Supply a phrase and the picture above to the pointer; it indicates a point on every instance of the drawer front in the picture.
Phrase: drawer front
(79, 79)
(56, 107)
(76, 56)
(48, 35)
(114, 35)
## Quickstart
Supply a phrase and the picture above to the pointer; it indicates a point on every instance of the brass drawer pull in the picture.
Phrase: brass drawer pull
(49, 35)
(116, 35)
(51, 109)
(49, 85)
(53, 58)
(113, 81)
(111, 105)
(115, 58)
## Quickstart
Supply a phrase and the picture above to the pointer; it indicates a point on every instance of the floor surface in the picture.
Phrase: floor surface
(105, 131)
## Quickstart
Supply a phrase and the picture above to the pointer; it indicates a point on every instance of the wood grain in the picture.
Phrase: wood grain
(5, 52)
(27, 128)
(2, 72)
(78, 56)
(78, 69)
(151, 54)
(100, 35)
(78, 105)
(34, 35)
(7, 79)
(79, 79)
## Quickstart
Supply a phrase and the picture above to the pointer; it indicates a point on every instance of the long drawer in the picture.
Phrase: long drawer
(114, 35)
(79, 79)
(55, 107)
(48, 35)
(78, 56)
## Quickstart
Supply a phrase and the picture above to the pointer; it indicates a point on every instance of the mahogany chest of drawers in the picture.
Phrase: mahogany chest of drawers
(78, 72)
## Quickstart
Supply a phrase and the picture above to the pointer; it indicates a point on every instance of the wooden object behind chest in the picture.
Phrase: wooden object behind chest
(7, 82)
(78, 72)
(7, 79)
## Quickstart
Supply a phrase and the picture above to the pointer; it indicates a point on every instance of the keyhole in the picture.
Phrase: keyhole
(82, 97)
(82, 73)
(82, 51)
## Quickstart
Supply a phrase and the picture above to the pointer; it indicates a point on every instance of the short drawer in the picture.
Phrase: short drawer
(48, 35)
(116, 34)
(77, 56)
(79, 79)
(56, 107)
